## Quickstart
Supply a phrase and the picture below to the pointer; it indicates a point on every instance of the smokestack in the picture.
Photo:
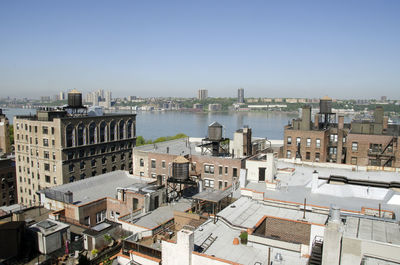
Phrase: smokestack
(270, 167)
(335, 214)
(341, 122)
(378, 115)
(316, 121)
(314, 182)
(305, 118)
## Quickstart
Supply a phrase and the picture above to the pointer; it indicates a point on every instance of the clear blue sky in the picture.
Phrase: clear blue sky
(344, 49)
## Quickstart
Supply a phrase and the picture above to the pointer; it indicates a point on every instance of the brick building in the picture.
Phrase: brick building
(215, 172)
(55, 147)
(8, 190)
(362, 143)
(5, 146)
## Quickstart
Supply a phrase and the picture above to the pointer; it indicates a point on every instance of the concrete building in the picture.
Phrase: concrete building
(55, 147)
(202, 94)
(241, 95)
(362, 143)
(5, 146)
(8, 181)
(51, 235)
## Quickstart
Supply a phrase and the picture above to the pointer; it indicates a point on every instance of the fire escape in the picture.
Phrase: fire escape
(386, 155)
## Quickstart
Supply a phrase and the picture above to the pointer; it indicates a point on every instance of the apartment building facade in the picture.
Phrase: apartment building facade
(361, 143)
(214, 171)
(8, 190)
(54, 147)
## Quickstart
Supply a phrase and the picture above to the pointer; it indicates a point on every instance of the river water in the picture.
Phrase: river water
(154, 124)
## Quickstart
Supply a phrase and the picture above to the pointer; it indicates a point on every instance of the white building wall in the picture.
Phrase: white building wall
(142, 260)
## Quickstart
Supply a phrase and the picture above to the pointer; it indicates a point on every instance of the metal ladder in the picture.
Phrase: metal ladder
(208, 242)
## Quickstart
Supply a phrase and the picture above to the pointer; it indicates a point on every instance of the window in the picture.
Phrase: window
(100, 216)
(86, 221)
(46, 154)
(153, 163)
(82, 176)
(45, 142)
(54, 156)
(289, 140)
(209, 169)
(226, 170)
(103, 149)
(47, 166)
(220, 170)
(318, 143)
(94, 173)
(35, 129)
(332, 150)
(141, 174)
(47, 178)
(354, 146)
(93, 163)
(163, 164)
(71, 179)
(55, 180)
(333, 138)
(71, 167)
(82, 165)
(70, 155)
(141, 162)
(45, 130)
(52, 130)
(92, 151)
(81, 153)
(308, 155)
(354, 160)
(288, 154)
(298, 140)
(220, 185)
(104, 160)
(54, 168)
(308, 143)
(209, 183)
(317, 156)
(153, 175)
(235, 172)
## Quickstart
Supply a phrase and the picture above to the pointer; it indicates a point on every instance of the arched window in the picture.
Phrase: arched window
(81, 134)
(121, 129)
(103, 132)
(113, 128)
(129, 129)
(92, 133)
(70, 136)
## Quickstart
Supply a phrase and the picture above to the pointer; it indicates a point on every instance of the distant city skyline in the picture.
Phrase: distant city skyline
(299, 49)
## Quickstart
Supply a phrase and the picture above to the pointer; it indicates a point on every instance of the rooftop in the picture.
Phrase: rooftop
(296, 187)
(181, 147)
(160, 215)
(48, 227)
(246, 213)
(94, 188)
(223, 246)
(369, 229)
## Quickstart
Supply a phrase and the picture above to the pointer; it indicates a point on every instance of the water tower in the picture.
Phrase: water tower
(326, 116)
(179, 178)
(75, 106)
(215, 143)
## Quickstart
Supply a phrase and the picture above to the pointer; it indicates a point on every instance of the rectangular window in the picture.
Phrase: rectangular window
(54, 156)
(317, 155)
(288, 154)
(226, 170)
(333, 138)
(86, 221)
(153, 163)
(209, 169)
(47, 178)
(47, 166)
(354, 146)
(220, 185)
(220, 170)
(308, 155)
(71, 167)
(45, 142)
(318, 143)
(52, 130)
(235, 172)
(163, 164)
(289, 140)
(46, 154)
(100, 216)
(308, 143)
(354, 160)
(45, 130)
(298, 140)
